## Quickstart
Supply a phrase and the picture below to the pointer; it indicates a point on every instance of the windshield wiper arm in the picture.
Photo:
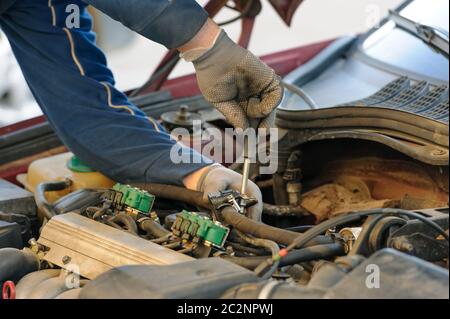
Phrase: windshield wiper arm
(437, 38)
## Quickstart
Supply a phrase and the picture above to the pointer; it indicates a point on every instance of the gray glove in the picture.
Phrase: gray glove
(219, 178)
(238, 84)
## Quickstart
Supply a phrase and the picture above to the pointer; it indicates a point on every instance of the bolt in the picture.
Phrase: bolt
(438, 152)
(66, 260)
(403, 245)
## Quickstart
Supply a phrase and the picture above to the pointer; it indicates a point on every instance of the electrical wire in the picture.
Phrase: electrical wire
(323, 227)
(261, 270)
(301, 93)
(304, 238)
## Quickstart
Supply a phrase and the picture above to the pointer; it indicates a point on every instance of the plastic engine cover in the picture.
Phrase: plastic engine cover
(390, 274)
(199, 279)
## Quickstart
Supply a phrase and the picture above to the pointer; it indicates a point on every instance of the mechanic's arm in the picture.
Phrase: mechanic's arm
(231, 78)
(215, 177)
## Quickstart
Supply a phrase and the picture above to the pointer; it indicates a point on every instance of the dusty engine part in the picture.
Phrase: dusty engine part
(412, 237)
(332, 199)
(392, 178)
(293, 177)
(72, 239)
(14, 199)
(10, 235)
(26, 226)
(49, 284)
(200, 279)
(15, 263)
(349, 235)
(400, 276)
(396, 275)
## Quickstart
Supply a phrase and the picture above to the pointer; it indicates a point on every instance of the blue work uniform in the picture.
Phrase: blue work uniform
(68, 75)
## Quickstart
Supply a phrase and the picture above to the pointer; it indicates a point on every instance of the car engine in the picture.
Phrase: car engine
(338, 222)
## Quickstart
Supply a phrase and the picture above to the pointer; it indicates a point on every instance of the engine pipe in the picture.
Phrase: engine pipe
(153, 228)
(44, 208)
(260, 230)
(229, 215)
(295, 257)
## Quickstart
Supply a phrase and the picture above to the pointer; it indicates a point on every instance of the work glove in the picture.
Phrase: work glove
(219, 178)
(238, 84)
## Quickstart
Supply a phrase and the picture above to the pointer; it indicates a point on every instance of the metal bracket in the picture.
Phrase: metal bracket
(231, 198)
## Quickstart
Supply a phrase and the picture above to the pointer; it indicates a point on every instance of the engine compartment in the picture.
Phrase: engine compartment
(331, 210)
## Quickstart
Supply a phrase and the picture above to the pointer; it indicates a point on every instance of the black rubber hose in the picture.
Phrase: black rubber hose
(259, 230)
(153, 228)
(303, 239)
(284, 210)
(229, 215)
(15, 263)
(125, 220)
(295, 257)
(44, 208)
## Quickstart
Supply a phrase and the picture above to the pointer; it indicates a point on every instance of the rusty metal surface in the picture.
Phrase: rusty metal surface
(332, 199)
(392, 178)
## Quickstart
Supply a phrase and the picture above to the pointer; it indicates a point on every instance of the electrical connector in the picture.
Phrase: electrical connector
(200, 229)
(134, 199)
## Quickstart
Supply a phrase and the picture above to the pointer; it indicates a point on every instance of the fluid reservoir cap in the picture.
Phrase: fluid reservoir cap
(77, 166)
(181, 118)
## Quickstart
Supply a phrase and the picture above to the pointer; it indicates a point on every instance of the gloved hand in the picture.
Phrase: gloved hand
(238, 84)
(219, 178)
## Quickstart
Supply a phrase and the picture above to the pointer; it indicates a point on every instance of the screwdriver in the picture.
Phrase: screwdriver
(247, 156)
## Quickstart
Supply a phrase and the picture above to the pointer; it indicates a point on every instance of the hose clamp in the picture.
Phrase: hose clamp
(230, 198)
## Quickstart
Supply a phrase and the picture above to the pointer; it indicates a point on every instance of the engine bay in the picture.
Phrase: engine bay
(334, 214)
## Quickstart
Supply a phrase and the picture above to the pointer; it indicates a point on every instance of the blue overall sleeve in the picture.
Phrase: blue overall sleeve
(169, 22)
(68, 75)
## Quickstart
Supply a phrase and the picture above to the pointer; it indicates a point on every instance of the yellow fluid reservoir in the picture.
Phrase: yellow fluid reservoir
(56, 168)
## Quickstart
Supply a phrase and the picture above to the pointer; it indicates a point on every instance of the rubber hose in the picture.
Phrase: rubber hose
(15, 263)
(230, 216)
(284, 210)
(125, 220)
(268, 245)
(294, 257)
(44, 208)
(153, 228)
(259, 230)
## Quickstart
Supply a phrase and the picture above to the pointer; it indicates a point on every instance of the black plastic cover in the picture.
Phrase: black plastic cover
(10, 235)
(199, 279)
(16, 200)
(400, 277)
